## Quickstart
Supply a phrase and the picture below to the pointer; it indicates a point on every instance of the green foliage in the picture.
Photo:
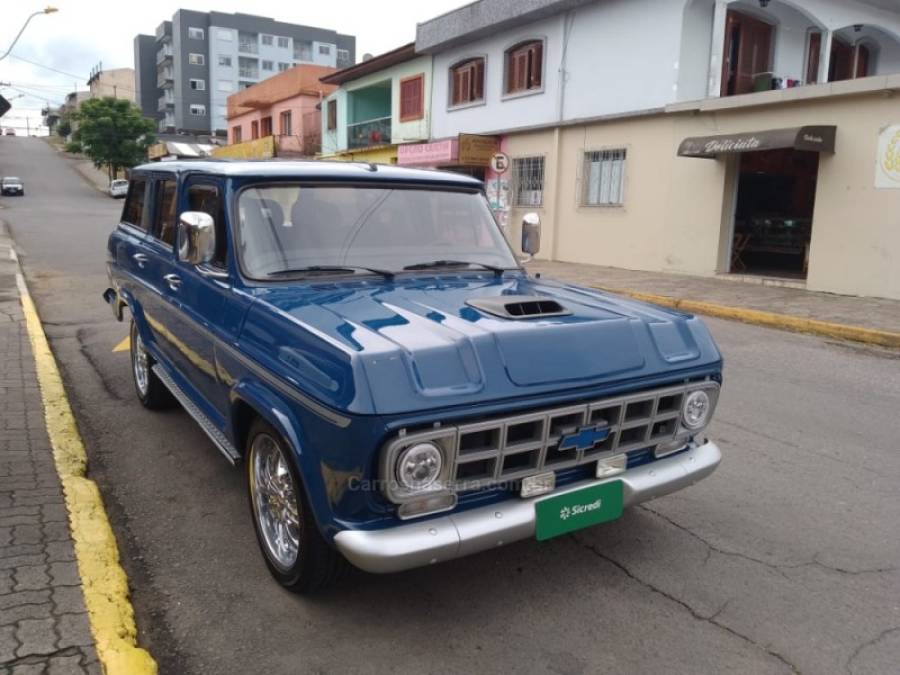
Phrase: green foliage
(113, 132)
(64, 128)
(73, 146)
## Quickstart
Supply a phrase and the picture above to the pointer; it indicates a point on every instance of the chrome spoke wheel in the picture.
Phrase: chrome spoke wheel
(141, 365)
(274, 498)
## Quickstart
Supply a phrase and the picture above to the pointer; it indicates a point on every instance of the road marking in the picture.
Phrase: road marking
(103, 580)
(124, 345)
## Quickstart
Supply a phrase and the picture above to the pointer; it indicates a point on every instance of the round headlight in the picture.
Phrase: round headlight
(695, 412)
(419, 466)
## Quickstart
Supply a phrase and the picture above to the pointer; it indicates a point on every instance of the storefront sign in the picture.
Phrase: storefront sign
(887, 166)
(260, 148)
(439, 153)
(814, 138)
(476, 150)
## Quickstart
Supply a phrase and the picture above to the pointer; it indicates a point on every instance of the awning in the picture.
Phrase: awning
(818, 138)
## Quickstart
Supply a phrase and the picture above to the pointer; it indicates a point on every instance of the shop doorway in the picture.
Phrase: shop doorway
(776, 193)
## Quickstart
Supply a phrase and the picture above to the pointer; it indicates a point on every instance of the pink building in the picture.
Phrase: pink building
(285, 106)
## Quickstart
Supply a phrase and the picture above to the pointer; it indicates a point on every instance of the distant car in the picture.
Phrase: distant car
(12, 186)
(10, 132)
(118, 188)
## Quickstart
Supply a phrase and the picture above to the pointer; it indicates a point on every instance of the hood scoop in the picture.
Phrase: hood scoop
(519, 306)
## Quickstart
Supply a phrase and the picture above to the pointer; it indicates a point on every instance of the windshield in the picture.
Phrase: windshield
(119, 183)
(10, 180)
(292, 227)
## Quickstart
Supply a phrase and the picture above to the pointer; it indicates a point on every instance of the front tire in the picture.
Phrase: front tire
(295, 552)
(151, 392)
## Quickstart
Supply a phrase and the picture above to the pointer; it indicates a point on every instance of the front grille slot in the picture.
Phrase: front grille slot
(523, 445)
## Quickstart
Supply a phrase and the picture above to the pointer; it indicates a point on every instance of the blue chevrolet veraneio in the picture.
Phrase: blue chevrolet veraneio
(399, 389)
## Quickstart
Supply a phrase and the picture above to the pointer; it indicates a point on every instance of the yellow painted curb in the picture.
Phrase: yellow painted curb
(798, 324)
(103, 580)
(124, 345)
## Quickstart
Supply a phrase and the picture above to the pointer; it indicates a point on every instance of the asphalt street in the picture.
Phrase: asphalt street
(786, 559)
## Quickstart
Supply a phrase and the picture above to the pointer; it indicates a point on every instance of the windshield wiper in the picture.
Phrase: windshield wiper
(453, 263)
(332, 269)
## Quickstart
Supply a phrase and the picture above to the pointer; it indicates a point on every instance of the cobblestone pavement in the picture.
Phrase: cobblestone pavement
(44, 626)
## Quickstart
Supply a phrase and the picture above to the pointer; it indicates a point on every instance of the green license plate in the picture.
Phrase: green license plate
(575, 510)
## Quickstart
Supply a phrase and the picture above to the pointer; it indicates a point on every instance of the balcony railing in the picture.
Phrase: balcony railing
(166, 101)
(248, 47)
(163, 54)
(251, 73)
(164, 79)
(368, 133)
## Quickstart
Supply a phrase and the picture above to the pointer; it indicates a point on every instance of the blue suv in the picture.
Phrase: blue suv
(399, 389)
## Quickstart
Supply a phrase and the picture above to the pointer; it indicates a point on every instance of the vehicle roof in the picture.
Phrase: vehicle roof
(310, 170)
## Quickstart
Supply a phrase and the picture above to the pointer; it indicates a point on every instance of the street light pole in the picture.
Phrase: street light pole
(46, 10)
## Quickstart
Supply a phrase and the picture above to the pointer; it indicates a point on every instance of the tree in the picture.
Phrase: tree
(64, 128)
(113, 133)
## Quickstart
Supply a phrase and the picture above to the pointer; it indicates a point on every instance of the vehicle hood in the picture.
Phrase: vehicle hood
(373, 346)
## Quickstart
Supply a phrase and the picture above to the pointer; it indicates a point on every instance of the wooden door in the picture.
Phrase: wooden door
(748, 50)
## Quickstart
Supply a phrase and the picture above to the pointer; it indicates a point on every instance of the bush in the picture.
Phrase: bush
(64, 128)
(73, 146)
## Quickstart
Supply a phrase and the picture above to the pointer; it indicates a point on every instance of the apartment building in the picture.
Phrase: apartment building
(750, 138)
(187, 70)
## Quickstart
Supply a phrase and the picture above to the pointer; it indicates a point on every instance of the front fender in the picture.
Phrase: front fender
(278, 412)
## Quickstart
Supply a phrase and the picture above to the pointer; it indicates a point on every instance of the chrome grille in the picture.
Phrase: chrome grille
(509, 448)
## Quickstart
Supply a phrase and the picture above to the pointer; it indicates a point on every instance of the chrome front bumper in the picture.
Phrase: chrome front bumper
(459, 534)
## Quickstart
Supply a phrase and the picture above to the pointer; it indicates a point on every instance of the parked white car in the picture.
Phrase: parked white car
(118, 188)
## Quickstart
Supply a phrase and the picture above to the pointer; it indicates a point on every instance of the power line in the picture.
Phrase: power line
(41, 65)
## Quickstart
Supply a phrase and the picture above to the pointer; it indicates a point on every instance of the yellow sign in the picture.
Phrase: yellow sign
(475, 150)
(157, 150)
(887, 169)
(260, 148)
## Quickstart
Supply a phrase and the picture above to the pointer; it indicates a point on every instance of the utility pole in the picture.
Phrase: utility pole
(46, 10)
(27, 126)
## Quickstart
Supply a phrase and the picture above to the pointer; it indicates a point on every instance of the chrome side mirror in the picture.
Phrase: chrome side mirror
(531, 235)
(196, 237)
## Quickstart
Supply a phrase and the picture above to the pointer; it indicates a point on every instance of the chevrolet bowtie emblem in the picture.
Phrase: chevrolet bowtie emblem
(584, 438)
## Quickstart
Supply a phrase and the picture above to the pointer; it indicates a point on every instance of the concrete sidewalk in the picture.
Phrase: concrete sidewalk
(44, 625)
(754, 303)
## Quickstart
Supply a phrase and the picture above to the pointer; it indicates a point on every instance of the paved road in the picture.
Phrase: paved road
(786, 558)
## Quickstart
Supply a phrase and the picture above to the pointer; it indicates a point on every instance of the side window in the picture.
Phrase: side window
(166, 210)
(206, 198)
(134, 213)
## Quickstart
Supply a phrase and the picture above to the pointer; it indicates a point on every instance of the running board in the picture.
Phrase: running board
(217, 437)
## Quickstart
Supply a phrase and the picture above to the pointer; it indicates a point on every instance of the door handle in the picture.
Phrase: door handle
(140, 259)
(173, 280)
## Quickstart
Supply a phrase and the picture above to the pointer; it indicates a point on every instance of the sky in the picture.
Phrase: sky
(68, 43)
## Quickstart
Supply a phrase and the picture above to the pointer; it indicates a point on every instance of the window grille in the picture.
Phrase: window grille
(528, 181)
(604, 177)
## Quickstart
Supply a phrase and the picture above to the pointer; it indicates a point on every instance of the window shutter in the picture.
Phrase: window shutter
(411, 104)
(536, 54)
(478, 80)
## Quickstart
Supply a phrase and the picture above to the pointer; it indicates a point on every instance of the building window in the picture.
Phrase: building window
(284, 121)
(196, 33)
(225, 85)
(198, 85)
(247, 42)
(284, 42)
(225, 61)
(343, 58)
(528, 181)
(267, 65)
(267, 40)
(198, 109)
(265, 127)
(325, 49)
(412, 103)
(254, 129)
(604, 177)
(225, 35)
(467, 82)
(196, 59)
(524, 67)
(236, 133)
(332, 115)
(134, 212)
(283, 66)
(302, 51)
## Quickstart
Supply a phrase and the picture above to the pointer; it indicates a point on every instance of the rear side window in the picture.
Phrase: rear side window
(206, 198)
(134, 213)
(165, 211)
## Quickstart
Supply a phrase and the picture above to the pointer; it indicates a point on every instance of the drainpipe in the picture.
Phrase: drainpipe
(568, 23)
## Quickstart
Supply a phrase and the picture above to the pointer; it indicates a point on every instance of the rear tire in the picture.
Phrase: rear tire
(151, 392)
(293, 548)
